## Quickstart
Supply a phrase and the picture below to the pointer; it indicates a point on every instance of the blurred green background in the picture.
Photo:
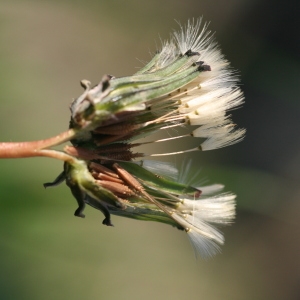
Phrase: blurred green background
(46, 48)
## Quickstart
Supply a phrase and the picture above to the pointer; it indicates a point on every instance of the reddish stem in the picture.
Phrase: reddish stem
(55, 154)
(31, 149)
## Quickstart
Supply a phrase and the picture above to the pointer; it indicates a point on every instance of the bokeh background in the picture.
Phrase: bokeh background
(46, 48)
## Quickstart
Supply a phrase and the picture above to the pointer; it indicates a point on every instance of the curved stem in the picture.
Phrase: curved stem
(31, 149)
(55, 154)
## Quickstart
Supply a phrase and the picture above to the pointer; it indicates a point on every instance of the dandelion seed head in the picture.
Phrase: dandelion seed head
(187, 83)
